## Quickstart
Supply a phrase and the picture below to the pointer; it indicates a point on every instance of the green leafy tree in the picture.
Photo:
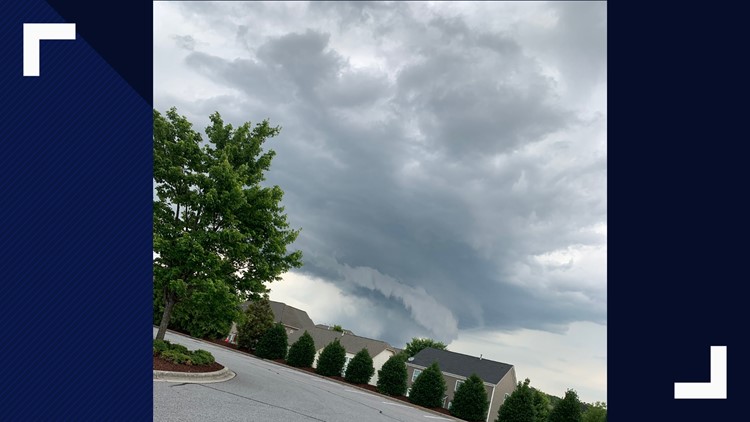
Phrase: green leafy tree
(417, 344)
(470, 401)
(519, 406)
(541, 405)
(596, 412)
(302, 352)
(273, 343)
(216, 229)
(338, 328)
(392, 376)
(205, 314)
(568, 409)
(258, 319)
(331, 360)
(360, 369)
(429, 388)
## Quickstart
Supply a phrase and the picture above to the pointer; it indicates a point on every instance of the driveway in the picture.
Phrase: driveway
(265, 391)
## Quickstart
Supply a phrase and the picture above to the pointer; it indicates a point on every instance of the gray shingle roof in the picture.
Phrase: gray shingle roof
(288, 315)
(351, 343)
(463, 365)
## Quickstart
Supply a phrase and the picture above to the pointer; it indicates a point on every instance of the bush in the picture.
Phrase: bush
(392, 377)
(302, 352)
(360, 369)
(161, 346)
(428, 389)
(257, 320)
(519, 406)
(273, 344)
(470, 401)
(179, 348)
(332, 359)
(176, 356)
(202, 357)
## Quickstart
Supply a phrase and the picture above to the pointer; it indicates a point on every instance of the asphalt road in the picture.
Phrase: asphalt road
(264, 391)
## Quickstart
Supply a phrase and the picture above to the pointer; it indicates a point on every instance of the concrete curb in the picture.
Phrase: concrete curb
(194, 377)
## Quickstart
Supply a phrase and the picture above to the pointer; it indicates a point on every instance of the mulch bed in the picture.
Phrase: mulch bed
(161, 364)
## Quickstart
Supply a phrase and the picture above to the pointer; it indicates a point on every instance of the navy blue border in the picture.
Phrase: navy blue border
(75, 213)
(677, 216)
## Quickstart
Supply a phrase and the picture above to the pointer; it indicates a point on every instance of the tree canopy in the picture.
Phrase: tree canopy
(567, 410)
(416, 345)
(596, 412)
(258, 319)
(331, 360)
(218, 233)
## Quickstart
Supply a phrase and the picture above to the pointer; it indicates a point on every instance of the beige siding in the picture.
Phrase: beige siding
(506, 386)
(377, 363)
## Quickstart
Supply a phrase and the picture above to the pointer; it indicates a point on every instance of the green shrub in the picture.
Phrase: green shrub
(161, 346)
(258, 319)
(273, 344)
(176, 356)
(470, 401)
(202, 357)
(302, 352)
(392, 377)
(331, 360)
(519, 406)
(179, 348)
(428, 389)
(360, 369)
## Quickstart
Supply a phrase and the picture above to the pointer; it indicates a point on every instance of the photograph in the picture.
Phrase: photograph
(380, 211)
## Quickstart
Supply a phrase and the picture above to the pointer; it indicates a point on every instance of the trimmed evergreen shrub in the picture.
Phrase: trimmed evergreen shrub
(392, 376)
(257, 320)
(302, 352)
(202, 357)
(273, 344)
(519, 406)
(331, 360)
(176, 356)
(161, 346)
(429, 388)
(179, 348)
(470, 401)
(360, 369)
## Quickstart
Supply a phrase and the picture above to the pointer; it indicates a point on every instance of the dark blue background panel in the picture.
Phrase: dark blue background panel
(75, 232)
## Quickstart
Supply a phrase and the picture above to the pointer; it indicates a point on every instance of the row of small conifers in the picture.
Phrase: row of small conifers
(470, 401)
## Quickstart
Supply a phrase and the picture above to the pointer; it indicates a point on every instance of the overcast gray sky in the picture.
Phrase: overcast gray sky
(446, 162)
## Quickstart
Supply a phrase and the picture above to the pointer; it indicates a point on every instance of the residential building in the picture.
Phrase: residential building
(292, 318)
(499, 378)
(380, 351)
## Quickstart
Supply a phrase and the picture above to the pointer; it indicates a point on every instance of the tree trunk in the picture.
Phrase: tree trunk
(168, 305)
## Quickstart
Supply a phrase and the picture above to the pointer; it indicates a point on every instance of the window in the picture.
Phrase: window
(445, 398)
(415, 374)
(459, 382)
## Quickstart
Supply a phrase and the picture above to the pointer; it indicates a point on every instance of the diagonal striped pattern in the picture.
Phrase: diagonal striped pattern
(75, 233)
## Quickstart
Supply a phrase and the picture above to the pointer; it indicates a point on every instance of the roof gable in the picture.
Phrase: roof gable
(463, 365)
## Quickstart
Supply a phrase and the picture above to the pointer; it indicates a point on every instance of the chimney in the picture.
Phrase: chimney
(480, 356)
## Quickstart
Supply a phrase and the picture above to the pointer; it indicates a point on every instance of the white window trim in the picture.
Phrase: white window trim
(458, 382)
(414, 374)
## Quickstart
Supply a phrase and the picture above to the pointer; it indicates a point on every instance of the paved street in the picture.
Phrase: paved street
(264, 391)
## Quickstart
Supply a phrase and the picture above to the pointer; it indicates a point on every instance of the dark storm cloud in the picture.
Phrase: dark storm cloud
(430, 185)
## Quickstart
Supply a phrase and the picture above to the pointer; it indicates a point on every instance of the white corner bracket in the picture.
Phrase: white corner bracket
(716, 388)
(33, 33)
